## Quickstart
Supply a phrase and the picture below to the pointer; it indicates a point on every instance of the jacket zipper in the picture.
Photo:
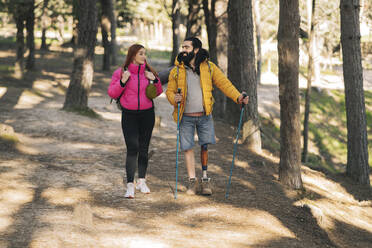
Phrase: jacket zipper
(139, 68)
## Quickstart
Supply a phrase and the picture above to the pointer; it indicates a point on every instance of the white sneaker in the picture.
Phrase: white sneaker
(141, 185)
(130, 191)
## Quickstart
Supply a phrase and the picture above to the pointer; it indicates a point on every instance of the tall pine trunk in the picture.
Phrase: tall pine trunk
(44, 24)
(105, 30)
(193, 24)
(310, 70)
(242, 69)
(30, 23)
(357, 143)
(175, 15)
(82, 74)
(113, 43)
(290, 130)
(20, 44)
(257, 21)
(211, 23)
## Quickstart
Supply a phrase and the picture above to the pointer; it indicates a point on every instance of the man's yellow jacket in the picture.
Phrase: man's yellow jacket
(209, 75)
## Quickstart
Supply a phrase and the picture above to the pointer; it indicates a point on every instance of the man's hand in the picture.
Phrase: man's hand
(178, 98)
(149, 75)
(242, 99)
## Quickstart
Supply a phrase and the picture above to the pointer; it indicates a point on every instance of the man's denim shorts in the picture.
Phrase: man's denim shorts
(204, 128)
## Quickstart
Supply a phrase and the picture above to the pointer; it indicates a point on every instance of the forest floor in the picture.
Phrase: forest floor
(61, 180)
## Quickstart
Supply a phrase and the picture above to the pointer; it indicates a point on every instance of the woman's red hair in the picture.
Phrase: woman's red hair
(132, 52)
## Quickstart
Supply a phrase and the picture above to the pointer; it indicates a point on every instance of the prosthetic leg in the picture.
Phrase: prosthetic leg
(205, 181)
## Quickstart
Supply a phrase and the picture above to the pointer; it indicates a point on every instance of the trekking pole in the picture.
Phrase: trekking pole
(178, 138)
(235, 146)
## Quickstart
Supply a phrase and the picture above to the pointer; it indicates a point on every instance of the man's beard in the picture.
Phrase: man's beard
(186, 57)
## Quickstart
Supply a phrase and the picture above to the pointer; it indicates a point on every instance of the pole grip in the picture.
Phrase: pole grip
(244, 96)
(178, 92)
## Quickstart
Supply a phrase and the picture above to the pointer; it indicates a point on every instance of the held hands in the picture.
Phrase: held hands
(124, 76)
(242, 99)
(149, 75)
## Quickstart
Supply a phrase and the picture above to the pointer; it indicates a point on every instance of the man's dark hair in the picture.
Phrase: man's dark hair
(201, 56)
(196, 43)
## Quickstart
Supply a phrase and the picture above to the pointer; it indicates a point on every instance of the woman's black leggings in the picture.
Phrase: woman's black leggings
(137, 129)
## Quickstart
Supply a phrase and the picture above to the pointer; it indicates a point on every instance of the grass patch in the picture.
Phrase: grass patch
(327, 131)
(152, 53)
(88, 112)
(8, 141)
(270, 136)
(6, 69)
(8, 40)
(159, 54)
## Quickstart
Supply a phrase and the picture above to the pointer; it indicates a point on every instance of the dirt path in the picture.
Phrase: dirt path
(61, 184)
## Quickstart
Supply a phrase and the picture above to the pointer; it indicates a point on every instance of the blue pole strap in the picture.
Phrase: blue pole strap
(235, 147)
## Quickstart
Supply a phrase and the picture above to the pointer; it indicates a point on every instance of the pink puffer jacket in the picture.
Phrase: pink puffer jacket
(134, 96)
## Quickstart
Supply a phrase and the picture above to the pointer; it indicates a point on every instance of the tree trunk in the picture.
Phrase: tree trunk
(105, 30)
(357, 143)
(310, 70)
(30, 23)
(290, 130)
(82, 75)
(20, 44)
(242, 69)
(175, 30)
(211, 23)
(257, 21)
(193, 25)
(44, 24)
(114, 46)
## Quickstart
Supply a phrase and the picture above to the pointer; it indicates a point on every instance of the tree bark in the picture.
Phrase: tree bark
(257, 21)
(193, 25)
(175, 29)
(290, 131)
(211, 23)
(357, 143)
(20, 44)
(82, 75)
(310, 70)
(105, 30)
(242, 69)
(30, 23)
(44, 27)
(113, 43)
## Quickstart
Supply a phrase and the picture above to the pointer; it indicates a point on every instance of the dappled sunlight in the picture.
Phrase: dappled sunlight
(5, 222)
(3, 90)
(15, 190)
(110, 116)
(335, 206)
(316, 182)
(118, 240)
(19, 197)
(28, 100)
(67, 197)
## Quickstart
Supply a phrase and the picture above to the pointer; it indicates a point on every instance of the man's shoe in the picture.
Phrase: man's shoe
(192, 186)
(130, 191)
(206, 186)
(141, 185)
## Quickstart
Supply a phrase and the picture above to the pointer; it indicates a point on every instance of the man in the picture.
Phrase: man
(195, 76)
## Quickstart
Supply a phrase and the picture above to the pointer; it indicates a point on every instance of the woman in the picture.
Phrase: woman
(129, 83)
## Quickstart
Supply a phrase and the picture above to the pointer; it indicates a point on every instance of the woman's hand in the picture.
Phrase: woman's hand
(149, 75)
(124, 76)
